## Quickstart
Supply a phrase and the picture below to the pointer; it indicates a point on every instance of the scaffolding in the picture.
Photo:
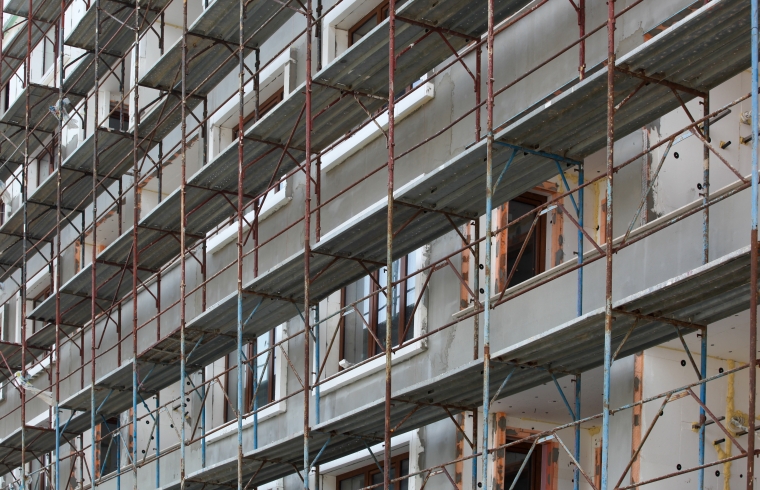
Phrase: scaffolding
(695, 51)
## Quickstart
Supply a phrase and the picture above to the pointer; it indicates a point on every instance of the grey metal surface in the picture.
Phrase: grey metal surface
(211, 40)
(10, 357)
(116, 29)
(41, 122)
(43, 10)
(703, 296)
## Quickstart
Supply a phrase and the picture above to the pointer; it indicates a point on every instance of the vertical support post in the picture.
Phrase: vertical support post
(183, 248)
(56, 276)
(93, 267)
(476, 319)
(705, 259)
(255, 403)
(753, 260)
(608, 236)
(239, 247)
(389, 238)
(158, 440)
(489, 237)
(135, 252)
(577, 452)
(581, 203)
(307, 251)
(582, 45)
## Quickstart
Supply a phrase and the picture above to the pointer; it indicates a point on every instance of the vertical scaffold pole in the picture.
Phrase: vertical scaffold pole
(183, 247)
(577, 449)
(608, 236)
(93, 276)
(705, 259)
(307, 252)
(240, 173)
(57, 269)
(753, 261)
(135, 254)
(489, 237)
(389, 238)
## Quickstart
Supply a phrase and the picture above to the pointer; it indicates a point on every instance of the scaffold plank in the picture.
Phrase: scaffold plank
(15, 48)
(116, 29)
(48, 11)
(213, 38)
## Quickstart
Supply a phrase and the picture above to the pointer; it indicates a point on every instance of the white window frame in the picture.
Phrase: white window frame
(407, 442)
(406, 352)
(280, 73)
(280, 390)
(338, 22)
(372, 131)
(273, 202)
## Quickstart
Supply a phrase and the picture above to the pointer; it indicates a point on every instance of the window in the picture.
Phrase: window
(265, 376)
(369, 22)
(371, 475)
(46, 162)
(511, 241)
(530, 478)
(108, 446)
(118, 118)
(362, 324)
(264, 107)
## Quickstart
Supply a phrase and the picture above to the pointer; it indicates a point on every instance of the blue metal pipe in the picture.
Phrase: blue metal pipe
(57, 447)
(703, 398)
(255, 365)
(158, 441)
(577, 473)
(539, 153)
(134, 415)
(316, 361)
(240, 377)
(579, 306)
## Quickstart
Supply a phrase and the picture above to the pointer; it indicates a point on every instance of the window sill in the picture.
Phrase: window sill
(265, 414)
(371, 367)
(370, 132)
(272, 203)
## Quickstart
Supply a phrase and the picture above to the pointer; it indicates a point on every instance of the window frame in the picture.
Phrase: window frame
(264, 107)
(373, 347)
(377, 12)
(372, 469)
(539, 232)
(110, 440)
(536, 463)
(230, 384)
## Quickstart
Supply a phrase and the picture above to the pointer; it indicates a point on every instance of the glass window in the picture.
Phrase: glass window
(369, 315)
(262, 386)
(108, 446)
(511, 242)
(371, 475)
(530, 477)
(369, 22)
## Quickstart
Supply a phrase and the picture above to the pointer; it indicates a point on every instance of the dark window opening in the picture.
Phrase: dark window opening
(530, 477)
(371, 475)
(264, 107)
(108, 446)
(532, 261)
(264, 389)
(118, 118)
(369, 317)
(368, 22)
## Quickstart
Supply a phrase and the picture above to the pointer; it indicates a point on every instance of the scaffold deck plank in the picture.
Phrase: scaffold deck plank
(47, 11)
(81, 78)
(117, 33)
(211, 40)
